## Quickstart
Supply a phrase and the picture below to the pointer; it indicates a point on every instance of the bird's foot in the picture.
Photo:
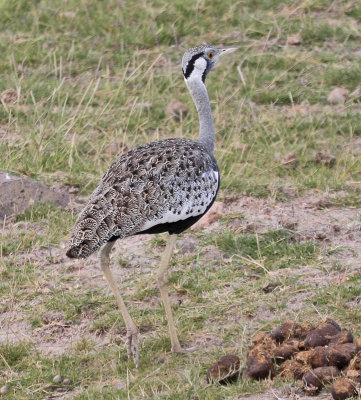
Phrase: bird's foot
(182, 350)
(133, 345)
(177, 349)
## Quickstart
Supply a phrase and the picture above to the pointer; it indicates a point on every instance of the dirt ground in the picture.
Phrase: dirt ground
(288, 393)
(311, 216)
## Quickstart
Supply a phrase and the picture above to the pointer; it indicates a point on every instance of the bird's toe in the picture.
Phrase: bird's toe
(177, 349)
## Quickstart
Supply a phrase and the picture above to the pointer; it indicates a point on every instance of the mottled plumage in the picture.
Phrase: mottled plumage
(150, 188)
(163, 186)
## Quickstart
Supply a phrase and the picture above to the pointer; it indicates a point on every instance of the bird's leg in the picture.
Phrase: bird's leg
(132, 330)
(163, 287)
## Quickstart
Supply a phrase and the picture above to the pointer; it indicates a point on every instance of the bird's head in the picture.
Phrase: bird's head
(198, 61)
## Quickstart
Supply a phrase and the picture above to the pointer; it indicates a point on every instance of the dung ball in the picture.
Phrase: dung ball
(342, 389)
(227, 368)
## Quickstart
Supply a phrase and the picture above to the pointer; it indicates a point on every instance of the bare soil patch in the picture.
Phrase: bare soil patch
(311, 217)
(288, 393)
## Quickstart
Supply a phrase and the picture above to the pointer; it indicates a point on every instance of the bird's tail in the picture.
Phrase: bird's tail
(90, 232)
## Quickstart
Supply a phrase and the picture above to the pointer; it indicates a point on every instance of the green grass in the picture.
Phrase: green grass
(48, 225)
(96, 72)
(272, 250)
(335, 296)
(84, 71)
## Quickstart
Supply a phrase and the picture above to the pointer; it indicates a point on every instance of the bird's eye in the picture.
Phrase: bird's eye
(210, 54)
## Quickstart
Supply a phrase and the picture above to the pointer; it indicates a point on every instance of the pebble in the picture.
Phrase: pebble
(57, 379)
(324, 158)
(9, 96)
(4, 389)
(188, 246)
(338, 95)
(294, 40)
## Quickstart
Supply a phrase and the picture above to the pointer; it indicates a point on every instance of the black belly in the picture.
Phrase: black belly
(172, 227)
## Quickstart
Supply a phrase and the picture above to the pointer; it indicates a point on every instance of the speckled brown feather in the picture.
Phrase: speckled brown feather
(173, 178)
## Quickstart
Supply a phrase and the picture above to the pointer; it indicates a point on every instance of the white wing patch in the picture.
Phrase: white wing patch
(183, 208)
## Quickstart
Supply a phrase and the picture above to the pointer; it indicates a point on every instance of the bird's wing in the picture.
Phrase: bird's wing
(158, 183)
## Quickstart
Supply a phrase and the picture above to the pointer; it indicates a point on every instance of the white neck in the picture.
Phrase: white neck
(199, 94)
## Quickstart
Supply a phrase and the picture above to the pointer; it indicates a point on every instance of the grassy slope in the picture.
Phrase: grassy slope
(87, 66)
(84, 69)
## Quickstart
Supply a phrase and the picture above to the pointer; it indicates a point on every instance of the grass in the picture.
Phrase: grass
(94, 80)
(272, 250)
(98, 75)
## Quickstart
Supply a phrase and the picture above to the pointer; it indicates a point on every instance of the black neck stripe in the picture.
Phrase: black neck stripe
(190, 65)
(204, 75)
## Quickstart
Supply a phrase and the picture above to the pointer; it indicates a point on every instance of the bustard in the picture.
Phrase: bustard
(163, 186)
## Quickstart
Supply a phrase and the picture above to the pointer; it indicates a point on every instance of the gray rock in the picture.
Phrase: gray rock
(17, 194)
(4, 389)
(188, 245)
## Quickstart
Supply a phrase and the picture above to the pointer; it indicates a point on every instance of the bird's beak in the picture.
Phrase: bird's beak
(227, 51)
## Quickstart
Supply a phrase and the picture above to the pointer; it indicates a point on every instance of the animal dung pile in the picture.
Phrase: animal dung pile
(316, 355)
(224, 370)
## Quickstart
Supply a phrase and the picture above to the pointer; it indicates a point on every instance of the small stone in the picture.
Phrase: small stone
(290, 160)
(338, 95)
(177, 109)
(66, 381)
(73, 190)
(57, 379)
(324, 158)
(288, 223)
(188, 245)
(270, 287)
(9, 96)
(294, 40)
(4, 389)
(49, 317)
(320, 236)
